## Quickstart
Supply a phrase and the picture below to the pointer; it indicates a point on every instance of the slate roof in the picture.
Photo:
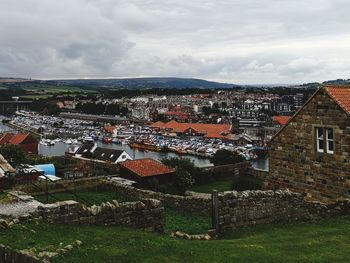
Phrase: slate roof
(147, 167)
(107, 155)
(85, 149)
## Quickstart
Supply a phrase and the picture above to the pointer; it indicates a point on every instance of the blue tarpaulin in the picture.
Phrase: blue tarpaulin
(48, 169)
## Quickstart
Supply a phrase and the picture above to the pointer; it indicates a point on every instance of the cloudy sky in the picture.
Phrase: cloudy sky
(245, 42)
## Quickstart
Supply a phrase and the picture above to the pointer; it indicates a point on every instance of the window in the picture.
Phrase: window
(320, 140)
(329, 140)
(324, 140)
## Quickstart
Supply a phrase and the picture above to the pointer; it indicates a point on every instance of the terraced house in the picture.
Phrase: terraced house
(311, 153)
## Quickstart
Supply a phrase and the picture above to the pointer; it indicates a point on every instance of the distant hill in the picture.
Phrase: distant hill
(146, 83)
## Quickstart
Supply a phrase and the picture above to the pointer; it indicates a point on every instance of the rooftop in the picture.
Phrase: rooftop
(147, 167)
(341, 95)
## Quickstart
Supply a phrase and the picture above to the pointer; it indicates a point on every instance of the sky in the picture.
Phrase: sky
(243, 42)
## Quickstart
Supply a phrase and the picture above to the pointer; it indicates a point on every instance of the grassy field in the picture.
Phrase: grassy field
(224, 185)
(326, 241)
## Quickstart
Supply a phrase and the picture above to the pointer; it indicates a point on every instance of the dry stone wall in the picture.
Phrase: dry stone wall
(241, 209)
(147, 214)
(195, 204)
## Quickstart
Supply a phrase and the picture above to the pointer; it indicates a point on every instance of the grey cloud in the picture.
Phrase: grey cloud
(252, 41)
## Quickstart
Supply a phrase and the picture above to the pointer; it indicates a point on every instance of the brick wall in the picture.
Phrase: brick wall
(294, 161)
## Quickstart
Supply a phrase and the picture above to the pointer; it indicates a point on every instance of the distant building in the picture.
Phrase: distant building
(280, 121)
(91, 152)
(213, 131)
(24, 140)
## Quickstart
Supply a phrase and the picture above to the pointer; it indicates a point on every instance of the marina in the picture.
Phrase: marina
(57, 134)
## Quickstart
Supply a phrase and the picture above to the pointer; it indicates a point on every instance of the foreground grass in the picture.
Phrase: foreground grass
(327, 241)
(224, 185)
(186, 222)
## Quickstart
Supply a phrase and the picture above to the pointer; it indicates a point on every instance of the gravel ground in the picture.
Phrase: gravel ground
(25, 204)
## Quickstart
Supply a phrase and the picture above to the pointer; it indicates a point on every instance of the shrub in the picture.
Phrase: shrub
(243, 183)
(223, 157)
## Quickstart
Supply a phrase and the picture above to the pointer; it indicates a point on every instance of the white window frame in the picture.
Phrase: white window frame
(318, 140)
(324, 141)
(329, 140)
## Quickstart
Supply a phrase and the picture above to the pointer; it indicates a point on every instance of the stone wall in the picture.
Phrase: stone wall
(194, 204)
(9, 255)
(241, 209)
(147, 214)
(229, 170)
(294, 161)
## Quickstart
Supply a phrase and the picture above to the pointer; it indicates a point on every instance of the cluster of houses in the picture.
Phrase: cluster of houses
(310, 153)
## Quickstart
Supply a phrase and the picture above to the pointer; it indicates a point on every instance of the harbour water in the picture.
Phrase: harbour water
(59, 149)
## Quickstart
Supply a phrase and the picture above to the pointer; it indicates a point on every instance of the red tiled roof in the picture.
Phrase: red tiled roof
(110, 128)
(281, 120)
(18, 138)
(341, 95)
(147, 167)
(5, 138)
(221, 131)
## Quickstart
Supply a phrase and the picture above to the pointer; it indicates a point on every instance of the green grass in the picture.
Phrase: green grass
(186, 222)
(224, 185)
(327, 241)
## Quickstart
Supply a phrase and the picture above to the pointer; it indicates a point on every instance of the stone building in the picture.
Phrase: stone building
(310, 154)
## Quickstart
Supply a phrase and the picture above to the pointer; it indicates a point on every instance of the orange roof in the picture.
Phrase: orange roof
(281, 120)
(110, 128)
(341, 95)
(220, 131)
(5, 138)
(18, 138)
(147, 167)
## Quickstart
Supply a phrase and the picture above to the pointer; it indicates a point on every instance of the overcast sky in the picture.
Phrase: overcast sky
(244, 42)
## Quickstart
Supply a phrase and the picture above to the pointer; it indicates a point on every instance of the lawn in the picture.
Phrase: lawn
(326, 241)
(224, 185)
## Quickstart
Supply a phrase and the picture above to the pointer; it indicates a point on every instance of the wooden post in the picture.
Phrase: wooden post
(47, 191)
(215, 210)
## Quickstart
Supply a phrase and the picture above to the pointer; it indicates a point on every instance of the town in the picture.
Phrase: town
(187, 151)
(174, 131)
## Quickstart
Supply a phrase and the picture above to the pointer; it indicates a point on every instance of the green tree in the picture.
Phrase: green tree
(13, 154)
(183, 180)
(222, 157)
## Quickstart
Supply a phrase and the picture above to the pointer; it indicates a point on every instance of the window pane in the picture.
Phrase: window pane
(320, 144)
(320, 133)
(330, 146)
(330, 134)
